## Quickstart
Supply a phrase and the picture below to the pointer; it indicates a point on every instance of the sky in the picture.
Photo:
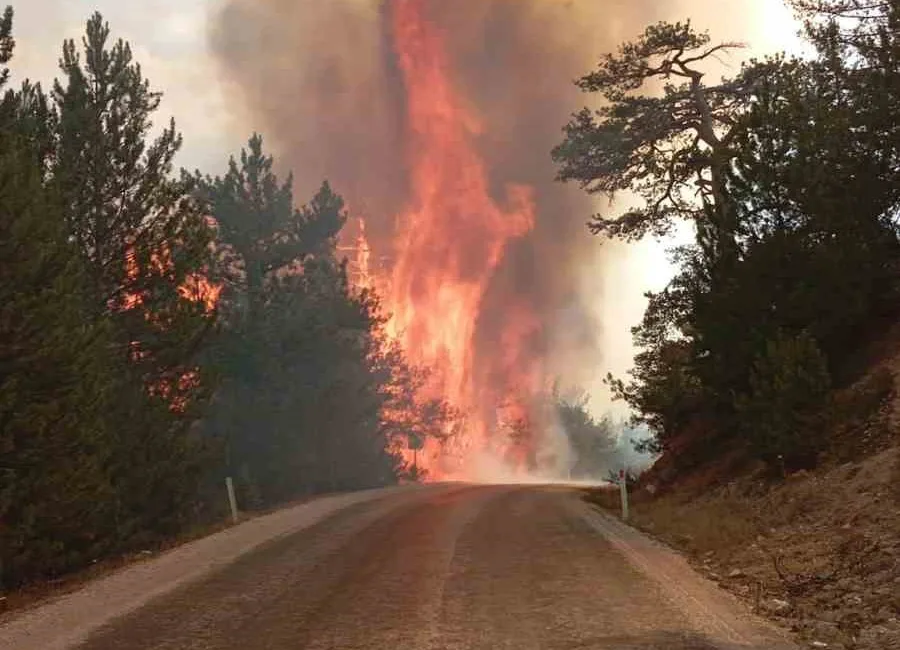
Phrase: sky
(170, 40)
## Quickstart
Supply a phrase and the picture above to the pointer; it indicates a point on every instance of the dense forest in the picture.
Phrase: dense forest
(787, 173)
(161, 330)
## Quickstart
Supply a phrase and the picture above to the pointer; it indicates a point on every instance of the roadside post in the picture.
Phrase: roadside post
(232, 501)
(623, 490)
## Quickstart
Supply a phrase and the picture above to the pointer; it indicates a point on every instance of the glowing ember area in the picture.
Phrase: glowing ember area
(195, 288)
(180, 385)
(451, 238)
(198, 288)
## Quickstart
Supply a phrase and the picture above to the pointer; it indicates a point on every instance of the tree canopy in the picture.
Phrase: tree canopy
(788, 174)
(672, 147)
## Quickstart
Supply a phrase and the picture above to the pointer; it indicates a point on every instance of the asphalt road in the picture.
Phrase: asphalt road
(449, 567)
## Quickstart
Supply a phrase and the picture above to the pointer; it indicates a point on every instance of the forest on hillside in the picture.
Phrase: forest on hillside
(787, 173)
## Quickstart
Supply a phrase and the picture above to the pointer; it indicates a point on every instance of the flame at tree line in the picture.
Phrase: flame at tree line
(435, 120)
(418, 112)
(196, 288)
(451, 236)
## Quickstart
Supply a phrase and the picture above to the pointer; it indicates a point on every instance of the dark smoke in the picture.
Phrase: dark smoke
(319, 79)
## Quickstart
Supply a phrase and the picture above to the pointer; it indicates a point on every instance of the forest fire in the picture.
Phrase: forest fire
(452, 234)
(196, 287)
(435, 121)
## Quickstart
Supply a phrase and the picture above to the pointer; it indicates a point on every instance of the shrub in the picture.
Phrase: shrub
(781, 414)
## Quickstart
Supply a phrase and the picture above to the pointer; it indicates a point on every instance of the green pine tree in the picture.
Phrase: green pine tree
(143, 238)
(54, 448)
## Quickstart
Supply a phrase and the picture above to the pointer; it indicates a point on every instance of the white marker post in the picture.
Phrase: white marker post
(232, 501)
(623, 490)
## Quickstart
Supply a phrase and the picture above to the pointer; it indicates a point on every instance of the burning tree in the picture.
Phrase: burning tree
(413, 419)
(435, 140)
(453, 234)
(140, 232)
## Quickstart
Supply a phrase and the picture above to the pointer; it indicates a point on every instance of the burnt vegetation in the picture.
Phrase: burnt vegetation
(787, 174)
(160, 331)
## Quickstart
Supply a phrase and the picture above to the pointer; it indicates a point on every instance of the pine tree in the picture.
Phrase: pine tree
(314, 397)
(54, 488)
(781, 413)
(142, 238)
(277, 266)
(810, 183)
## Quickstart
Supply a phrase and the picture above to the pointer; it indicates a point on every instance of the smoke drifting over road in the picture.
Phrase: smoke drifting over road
(338, 88)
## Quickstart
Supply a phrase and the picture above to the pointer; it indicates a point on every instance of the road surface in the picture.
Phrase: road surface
(444, 568)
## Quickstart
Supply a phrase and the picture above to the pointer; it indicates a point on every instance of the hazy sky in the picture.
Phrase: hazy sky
(169, 40)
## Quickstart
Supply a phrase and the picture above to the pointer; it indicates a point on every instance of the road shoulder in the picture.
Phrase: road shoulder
(66, 620)
(724, 619)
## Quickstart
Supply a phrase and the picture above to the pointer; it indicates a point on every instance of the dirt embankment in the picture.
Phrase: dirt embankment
(819, 553)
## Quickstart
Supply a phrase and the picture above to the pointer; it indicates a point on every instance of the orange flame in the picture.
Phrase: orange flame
(361, 273)
(195, 288)
(177, 388)
(198, 288)
(452, 236)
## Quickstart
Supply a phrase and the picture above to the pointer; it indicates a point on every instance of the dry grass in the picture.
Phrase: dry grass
(895, 482)
(715, 523)
(859, 417)
(828, 542)
(818, 541)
